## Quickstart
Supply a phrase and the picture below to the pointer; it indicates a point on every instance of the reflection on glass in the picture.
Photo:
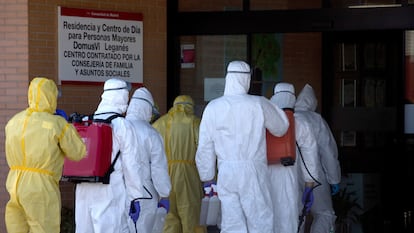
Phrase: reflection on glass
(273, 57)
(349, 93)
(212, 54)
(267, 62)
(349, 62)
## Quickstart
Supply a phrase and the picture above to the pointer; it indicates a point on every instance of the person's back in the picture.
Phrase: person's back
(329, 170)
(37, 141)
(240, 115)
(232, 132)
(100, 208)
(153, 169)
(288, 182)
(179, 129)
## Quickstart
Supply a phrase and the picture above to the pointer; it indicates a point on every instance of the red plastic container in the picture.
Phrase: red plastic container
(98, 140)
(282, 150)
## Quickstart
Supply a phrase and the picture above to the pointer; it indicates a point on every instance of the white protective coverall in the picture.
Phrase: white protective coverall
(329, 170)
(100, 208)
(152, 160)
(287, 181)
(37, 141)
(233, 134)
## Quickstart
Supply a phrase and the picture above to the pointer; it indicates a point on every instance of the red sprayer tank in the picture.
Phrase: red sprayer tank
(98, 140)
(282, 150)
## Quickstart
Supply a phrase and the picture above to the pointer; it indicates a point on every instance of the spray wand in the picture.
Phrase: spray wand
(304, 211)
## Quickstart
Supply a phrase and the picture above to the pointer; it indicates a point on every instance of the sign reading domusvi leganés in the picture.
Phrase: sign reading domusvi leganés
(96, 45)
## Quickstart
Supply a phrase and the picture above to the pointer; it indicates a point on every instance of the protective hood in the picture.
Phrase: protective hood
(42, 95)
(115, 96)
(237, 78)
(284, 95)
(183, 103)
(306, 100)
(141, 106)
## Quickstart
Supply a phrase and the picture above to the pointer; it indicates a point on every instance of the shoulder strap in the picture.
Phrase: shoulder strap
(105, 178)
(109, 119)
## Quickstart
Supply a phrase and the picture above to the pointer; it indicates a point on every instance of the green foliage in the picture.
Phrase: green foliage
(266, 53)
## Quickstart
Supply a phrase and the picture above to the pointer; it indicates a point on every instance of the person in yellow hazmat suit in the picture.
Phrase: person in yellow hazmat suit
(179, 129)
(37, 141)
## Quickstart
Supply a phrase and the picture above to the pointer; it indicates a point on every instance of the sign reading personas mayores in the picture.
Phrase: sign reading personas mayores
(96, 45)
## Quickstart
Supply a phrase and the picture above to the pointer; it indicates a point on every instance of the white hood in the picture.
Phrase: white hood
(237, 78)
(306, 100)
(284, 95)
(115, 97)
(141, 105)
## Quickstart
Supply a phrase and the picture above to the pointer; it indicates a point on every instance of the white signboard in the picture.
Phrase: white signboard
(96, 45)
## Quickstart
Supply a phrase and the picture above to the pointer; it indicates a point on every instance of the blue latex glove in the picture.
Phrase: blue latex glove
(208, 183)
(307, 199)
(134, 210)
(334, 189)
(61, 113)
(164, 203)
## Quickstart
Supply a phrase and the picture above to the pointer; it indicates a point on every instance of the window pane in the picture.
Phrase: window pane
(211, 56)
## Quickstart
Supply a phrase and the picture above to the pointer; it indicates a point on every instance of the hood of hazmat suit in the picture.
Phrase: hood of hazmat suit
(284, 96)
(237, 79)
(306, 100)
(115, 97)
(37, 141)
(105, 203)
(141, 105)
(232, 134)
(179, 130)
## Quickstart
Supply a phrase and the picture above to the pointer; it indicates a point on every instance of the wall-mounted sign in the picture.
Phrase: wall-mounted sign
(187, 56)
(96, 45)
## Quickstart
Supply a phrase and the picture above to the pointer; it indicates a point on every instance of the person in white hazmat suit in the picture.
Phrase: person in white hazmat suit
(329, 170)
(287, 181)
(232, 133)
(100, 208)
(152, 161)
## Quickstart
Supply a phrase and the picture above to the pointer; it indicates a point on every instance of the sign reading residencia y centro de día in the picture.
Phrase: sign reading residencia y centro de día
(96, 45)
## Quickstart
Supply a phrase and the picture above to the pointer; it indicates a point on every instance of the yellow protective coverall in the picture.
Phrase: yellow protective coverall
(179, 129)
(37, 142)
